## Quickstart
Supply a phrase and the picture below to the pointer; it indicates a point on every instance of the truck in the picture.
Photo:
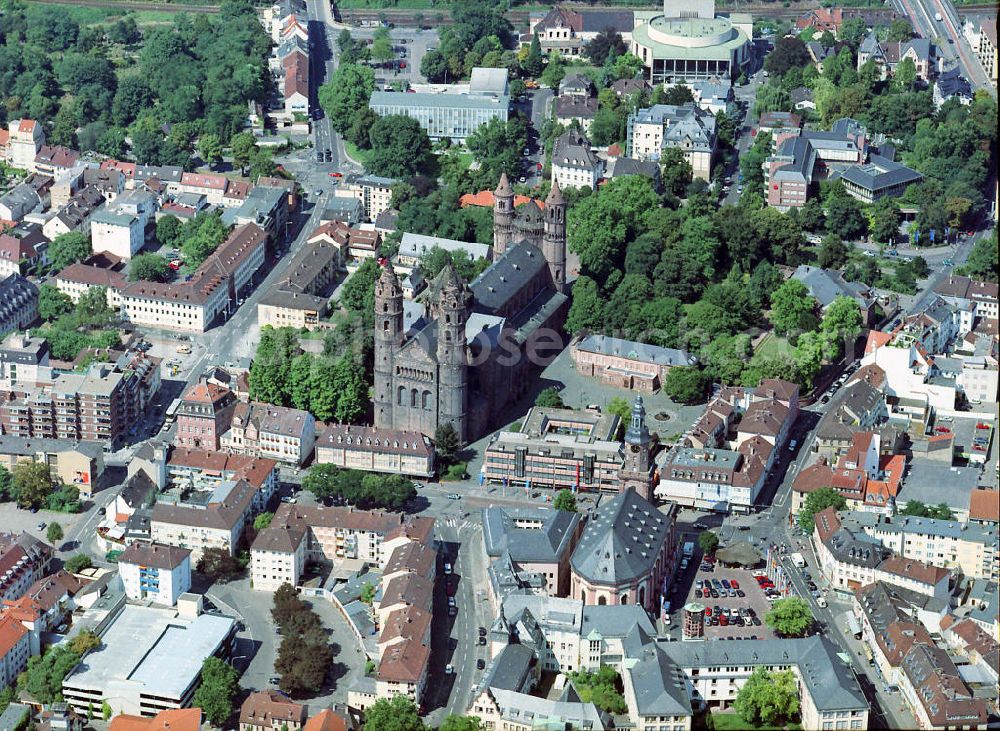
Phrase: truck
(798, 560)
(688, 550)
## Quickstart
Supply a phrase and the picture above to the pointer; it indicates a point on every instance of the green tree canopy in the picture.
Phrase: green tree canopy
(791, 306)
(396, 714)
(215, 694)
(816, 501)
(347, 92)
(53, 304)
(789, 617)
(549, 398)
(78, 562)
(218, 565)
(148, 268)
(400, 148)
(565, 500)
(768, 698)
(32, 483)
(708, 542)
(68, 248)
(54, 534)
(686, 384)
(602, 688)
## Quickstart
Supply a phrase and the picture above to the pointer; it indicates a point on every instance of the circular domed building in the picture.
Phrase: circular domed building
(688, 42)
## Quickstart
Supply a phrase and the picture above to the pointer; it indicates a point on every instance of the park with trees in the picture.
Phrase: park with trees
(305, 655)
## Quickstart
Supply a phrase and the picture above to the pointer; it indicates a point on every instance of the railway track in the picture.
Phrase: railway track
(126, 5)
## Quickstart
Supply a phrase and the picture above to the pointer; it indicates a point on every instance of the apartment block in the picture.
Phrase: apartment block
(155, 572)
(374, 449)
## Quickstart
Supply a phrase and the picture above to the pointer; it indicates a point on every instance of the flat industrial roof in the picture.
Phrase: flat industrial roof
(155, 648)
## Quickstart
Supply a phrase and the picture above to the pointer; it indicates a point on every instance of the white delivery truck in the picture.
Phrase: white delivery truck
(688, 550)
(798, 560)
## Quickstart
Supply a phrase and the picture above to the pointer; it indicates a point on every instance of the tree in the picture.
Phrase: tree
(218, 565)
(769, 698)
(434, 66)
(348, 91)
(168, 231)
(6, 485)
(841, 323)
(708, 542)
(899, 30)
(381, 49)
(54, 534)
(446, 444)
(600, 688)
(68, 248)
(921, 510)
(242, 147)
(587, 309)
(534, 62)
(53, 304)
(85, 642)
(686, 384)
(789, 52)
(106, 710)
(367, 595)
(844, 216)
(790, 617)
(677, 172)
(92, 307)
(262, 521)
(791, 305)
(549, 398)
(32, 483)
(210, 148)
(906, 74)
(497, 146)
(461, 723)
(77, 563)
(219, 683)
(885, 219)
(982, 263)
(565, 500)
(606, 43)
(811, 216)
(816, 501)
(678, 94)
(148, 268)
(554, 72)
(45, 674)
(832, 252)
(400, 148)
(393, 714)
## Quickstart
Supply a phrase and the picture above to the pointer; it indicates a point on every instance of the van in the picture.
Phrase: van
(821, 601)
(447, 569)
(185, 349)
(792, 445)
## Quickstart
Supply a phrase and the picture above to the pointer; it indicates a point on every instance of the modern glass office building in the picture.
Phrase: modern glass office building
(452, 115)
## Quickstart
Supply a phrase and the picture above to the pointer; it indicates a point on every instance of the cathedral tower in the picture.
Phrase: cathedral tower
(503, 217)
(454, 299)
(637, 469)
(388, 338)
(554, 239)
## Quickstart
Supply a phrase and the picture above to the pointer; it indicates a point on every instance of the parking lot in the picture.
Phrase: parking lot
(753, 601)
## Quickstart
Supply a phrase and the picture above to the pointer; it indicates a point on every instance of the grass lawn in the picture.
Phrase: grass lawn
(774, 346)
(735, 722)
(86, 16)
(356, 154)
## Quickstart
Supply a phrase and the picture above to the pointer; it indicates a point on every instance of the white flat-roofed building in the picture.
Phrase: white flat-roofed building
(149, 661)
(414, 247)
(155, 572)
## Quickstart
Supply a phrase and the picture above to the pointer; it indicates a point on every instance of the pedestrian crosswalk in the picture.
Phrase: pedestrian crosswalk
(454, 521)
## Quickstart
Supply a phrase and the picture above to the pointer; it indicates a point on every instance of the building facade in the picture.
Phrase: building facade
(376, 450)
(154, 572)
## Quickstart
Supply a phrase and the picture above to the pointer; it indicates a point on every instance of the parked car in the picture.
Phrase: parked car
(480, 663)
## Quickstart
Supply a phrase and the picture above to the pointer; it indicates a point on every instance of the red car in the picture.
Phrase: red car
(708, 611)
(336, 175)
(724, 620)
(734, 583)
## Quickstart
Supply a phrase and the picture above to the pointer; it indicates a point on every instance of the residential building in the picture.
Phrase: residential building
(567, 31)
(18, 202)
(18, 303)
(576, 85)
(579, 109)
(825, 285)
(850, 560)
(621, 166)
(187, 719)
(52, 160)
(327, 720)
(374, 449)
(208, 519)
(535, 544)
(414, 247)
(44, 607)
(149, 660)
(558, 448)
(207, 471)
(353, 244)
(687, 128)
(267, 710)
(155, 572)
(626, 553)
(980, 298)
(204, 416)
(297, 300)
(72, 462)
(299, 535)
(266, 206)
(295, 86)
(887, 55)
(25, 139)
(275, 432)
(626, 364)
(15, 649)
(969, 548)
(100, 404)
(374, 192)
(454, 112)
(903, 650)
(76, 214)
(950, 84)
(208, 296)
(23, 359)
(684, 45)
(987, 50)
(23, 560)
(21, 250)
(574, 163)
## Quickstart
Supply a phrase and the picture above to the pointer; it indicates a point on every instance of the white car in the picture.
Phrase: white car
(449, 669)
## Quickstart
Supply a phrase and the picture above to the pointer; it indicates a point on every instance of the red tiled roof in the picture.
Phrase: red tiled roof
(325, 720)
(11, 632)
(484, 199)
(178, 719)
(984, 505)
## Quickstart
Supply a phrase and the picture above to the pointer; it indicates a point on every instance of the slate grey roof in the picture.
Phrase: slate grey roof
(546, 543)
(622, 541)
(826, 285)
(596, 21)
(510, 670)
(574, 83)
(630, 166)
(615, 620)
(831, 682)
(880, 173)
(504, 278)
(608, 345)
(951, 83)
(799, 155)
(26, 446)
(659, 684)
(572, 150)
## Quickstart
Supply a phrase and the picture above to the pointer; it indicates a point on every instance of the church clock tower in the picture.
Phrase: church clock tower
(637, 469)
